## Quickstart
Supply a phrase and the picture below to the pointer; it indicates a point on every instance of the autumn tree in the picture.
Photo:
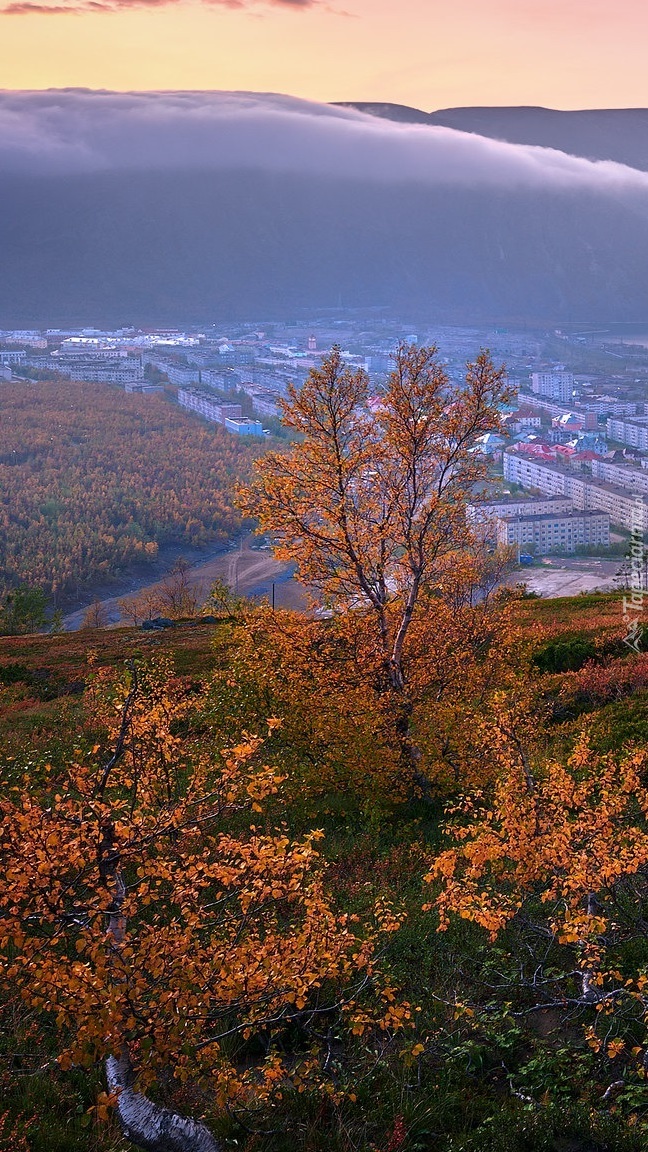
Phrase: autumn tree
(95, 615)
(559, 850)
(370, 500)
(176, 596)
(339, 741)
(155, 914)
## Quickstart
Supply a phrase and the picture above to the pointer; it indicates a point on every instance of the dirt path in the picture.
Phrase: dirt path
(248, 571)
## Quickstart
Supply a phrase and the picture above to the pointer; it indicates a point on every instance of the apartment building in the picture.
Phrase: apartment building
(264, 402)
(554, 385)
(632, 431)
(629, 510)
(629, 476)
(180, 375)
(609, 406)
(538, 475)
(493, 510)
(120, 371)
(207, 406)
(545, 534)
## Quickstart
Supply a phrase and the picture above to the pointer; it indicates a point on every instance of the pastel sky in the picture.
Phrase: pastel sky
(433, 54)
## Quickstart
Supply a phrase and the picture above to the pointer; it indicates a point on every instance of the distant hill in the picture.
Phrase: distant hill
(619, 134)
(162, 208)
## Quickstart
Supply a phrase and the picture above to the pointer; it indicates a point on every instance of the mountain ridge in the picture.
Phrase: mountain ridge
(592, 133)
(276, 207)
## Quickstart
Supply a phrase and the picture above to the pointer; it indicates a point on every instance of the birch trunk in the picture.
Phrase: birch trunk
(149, 1125)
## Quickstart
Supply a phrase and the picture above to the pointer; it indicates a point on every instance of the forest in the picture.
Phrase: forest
(373, 879)
(93, 480)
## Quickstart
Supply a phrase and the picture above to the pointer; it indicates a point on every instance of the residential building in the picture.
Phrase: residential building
(264, 401)
(624, 508)
(120, 371)
(492, 510)
(207, 406)
(568, 422)
(632, 431)
(557, 385)
(608, 406)
(181, 374)
(622, 475)
(545, 534)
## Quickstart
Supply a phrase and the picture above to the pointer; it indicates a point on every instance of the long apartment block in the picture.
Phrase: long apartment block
(627, 509)
(629, 476)
(554, 532)
(632, 431)
(491, 510)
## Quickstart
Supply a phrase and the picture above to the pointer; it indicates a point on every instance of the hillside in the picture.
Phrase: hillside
(93, 481)
(619, 134)
(484, 1063)
(246, 206)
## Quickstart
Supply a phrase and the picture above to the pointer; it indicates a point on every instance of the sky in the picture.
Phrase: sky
(428, 53)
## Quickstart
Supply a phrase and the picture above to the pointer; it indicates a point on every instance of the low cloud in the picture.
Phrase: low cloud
(76, 131)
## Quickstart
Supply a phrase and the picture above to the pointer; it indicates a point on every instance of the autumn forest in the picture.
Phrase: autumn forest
(93, 480)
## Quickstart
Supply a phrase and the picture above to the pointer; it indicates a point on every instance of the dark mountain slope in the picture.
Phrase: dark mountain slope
(174, 246)
(598, 134)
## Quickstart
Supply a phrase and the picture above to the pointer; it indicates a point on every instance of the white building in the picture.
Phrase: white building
(104, 372)
(207, 406)
(180, 374)
(492, 510)
(264, 401)
(631, 431)
(609, 406)
(243, 426)
(622, 475)
(554, 385)
(555, 533)
(629, 510)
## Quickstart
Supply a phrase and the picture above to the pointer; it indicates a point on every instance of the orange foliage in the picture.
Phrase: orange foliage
(340, 717)
(150, 904)
(92, 479)
(563, 834)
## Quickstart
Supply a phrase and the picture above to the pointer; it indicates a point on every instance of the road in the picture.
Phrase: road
(248, 571)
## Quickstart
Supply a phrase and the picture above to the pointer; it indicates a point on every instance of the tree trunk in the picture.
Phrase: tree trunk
(410, 754)
(148, 1125)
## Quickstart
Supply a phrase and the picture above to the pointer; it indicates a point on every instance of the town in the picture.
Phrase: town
(569, 471)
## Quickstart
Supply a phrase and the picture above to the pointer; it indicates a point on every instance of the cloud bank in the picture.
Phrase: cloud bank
(80, 131)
